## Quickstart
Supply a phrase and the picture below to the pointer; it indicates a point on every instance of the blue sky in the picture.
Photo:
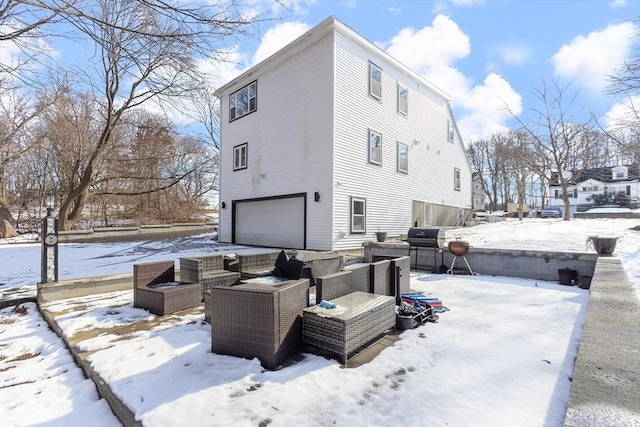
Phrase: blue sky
(483, 53)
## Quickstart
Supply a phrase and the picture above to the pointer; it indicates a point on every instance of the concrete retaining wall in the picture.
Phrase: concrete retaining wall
(606, 378)
(128, 232)
(538, 265)
(606, 215)
(82, 287)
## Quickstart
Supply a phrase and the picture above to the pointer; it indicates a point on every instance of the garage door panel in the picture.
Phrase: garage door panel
(272, 223)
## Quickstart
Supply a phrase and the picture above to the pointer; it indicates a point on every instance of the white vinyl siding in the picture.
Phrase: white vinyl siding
(389, 194)
(375, 81)
(403, 100)
(403, 157)
(375, 147)
(291, 141)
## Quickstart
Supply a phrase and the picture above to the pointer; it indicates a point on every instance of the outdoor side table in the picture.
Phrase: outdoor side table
(358, 319)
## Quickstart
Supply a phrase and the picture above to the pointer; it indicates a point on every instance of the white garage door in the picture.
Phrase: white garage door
(277, 223)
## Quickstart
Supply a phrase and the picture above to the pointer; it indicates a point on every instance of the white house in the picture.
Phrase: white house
(621, 183)
(330, 140)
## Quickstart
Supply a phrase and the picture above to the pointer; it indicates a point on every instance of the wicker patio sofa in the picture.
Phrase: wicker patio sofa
(334, 285)
(155, 289)
(259, 320)
(208, 271)
(358, 319)
(255, 265)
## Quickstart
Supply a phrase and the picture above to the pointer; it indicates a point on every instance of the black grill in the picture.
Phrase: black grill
(427, 238)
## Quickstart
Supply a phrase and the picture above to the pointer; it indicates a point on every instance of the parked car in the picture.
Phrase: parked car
(552, 212)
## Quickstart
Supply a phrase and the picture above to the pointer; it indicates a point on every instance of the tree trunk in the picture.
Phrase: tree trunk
(6, 228)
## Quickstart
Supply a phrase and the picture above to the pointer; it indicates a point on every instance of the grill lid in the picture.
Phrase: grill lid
(426, 237)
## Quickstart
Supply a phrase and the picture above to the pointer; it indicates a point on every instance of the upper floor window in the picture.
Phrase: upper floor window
(375, 147)
(449, 130)
(403, 99)
(403, 157)
(375, 81)
(243, 101)
(620, 172)
(456, 179)
(240, 157)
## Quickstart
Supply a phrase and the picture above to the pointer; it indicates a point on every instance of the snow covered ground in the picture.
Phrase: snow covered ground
(503, 354)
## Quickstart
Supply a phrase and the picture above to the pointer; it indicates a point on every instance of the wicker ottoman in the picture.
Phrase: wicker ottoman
(259, 320)
(358, 319)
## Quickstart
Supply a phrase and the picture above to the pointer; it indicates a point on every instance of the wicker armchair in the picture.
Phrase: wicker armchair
(259, 320)
(208, 271)
(155, 289)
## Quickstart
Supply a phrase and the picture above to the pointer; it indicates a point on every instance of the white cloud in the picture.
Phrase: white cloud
(589, 59)
(622, 114)
(442, 43)
(395, 10)
(277, 38)
(514, 54)
(432, 52)
(488, 107)
(350, 4)
(617, 3)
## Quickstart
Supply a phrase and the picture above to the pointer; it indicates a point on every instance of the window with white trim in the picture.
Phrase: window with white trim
(403, 99)
(358, 215)
(403, 157)
(456, 179)
(375, 81)
(375, 147)
(243, 101)
(240, 156)
(449, 130)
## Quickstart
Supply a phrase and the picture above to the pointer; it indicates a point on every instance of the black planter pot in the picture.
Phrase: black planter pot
(381, 236)
(566, 276)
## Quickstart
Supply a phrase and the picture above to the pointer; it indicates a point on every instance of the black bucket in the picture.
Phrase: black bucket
(585, 282)
(566, 276)
(404, 322)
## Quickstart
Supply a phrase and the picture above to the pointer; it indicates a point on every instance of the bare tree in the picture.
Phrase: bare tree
(517, 165)
(625, 130)
(555, 134)
(147, 51)
(486, 156)
(17, 115)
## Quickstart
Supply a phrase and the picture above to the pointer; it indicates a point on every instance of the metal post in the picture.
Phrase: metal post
(398, 276)
(49, 262)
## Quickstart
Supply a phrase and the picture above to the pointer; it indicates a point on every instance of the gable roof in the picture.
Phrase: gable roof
(308, 39)
(604, 174)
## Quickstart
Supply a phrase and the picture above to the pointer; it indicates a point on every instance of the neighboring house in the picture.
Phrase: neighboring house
(619, 182)
(479, 198)
(330, 140)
